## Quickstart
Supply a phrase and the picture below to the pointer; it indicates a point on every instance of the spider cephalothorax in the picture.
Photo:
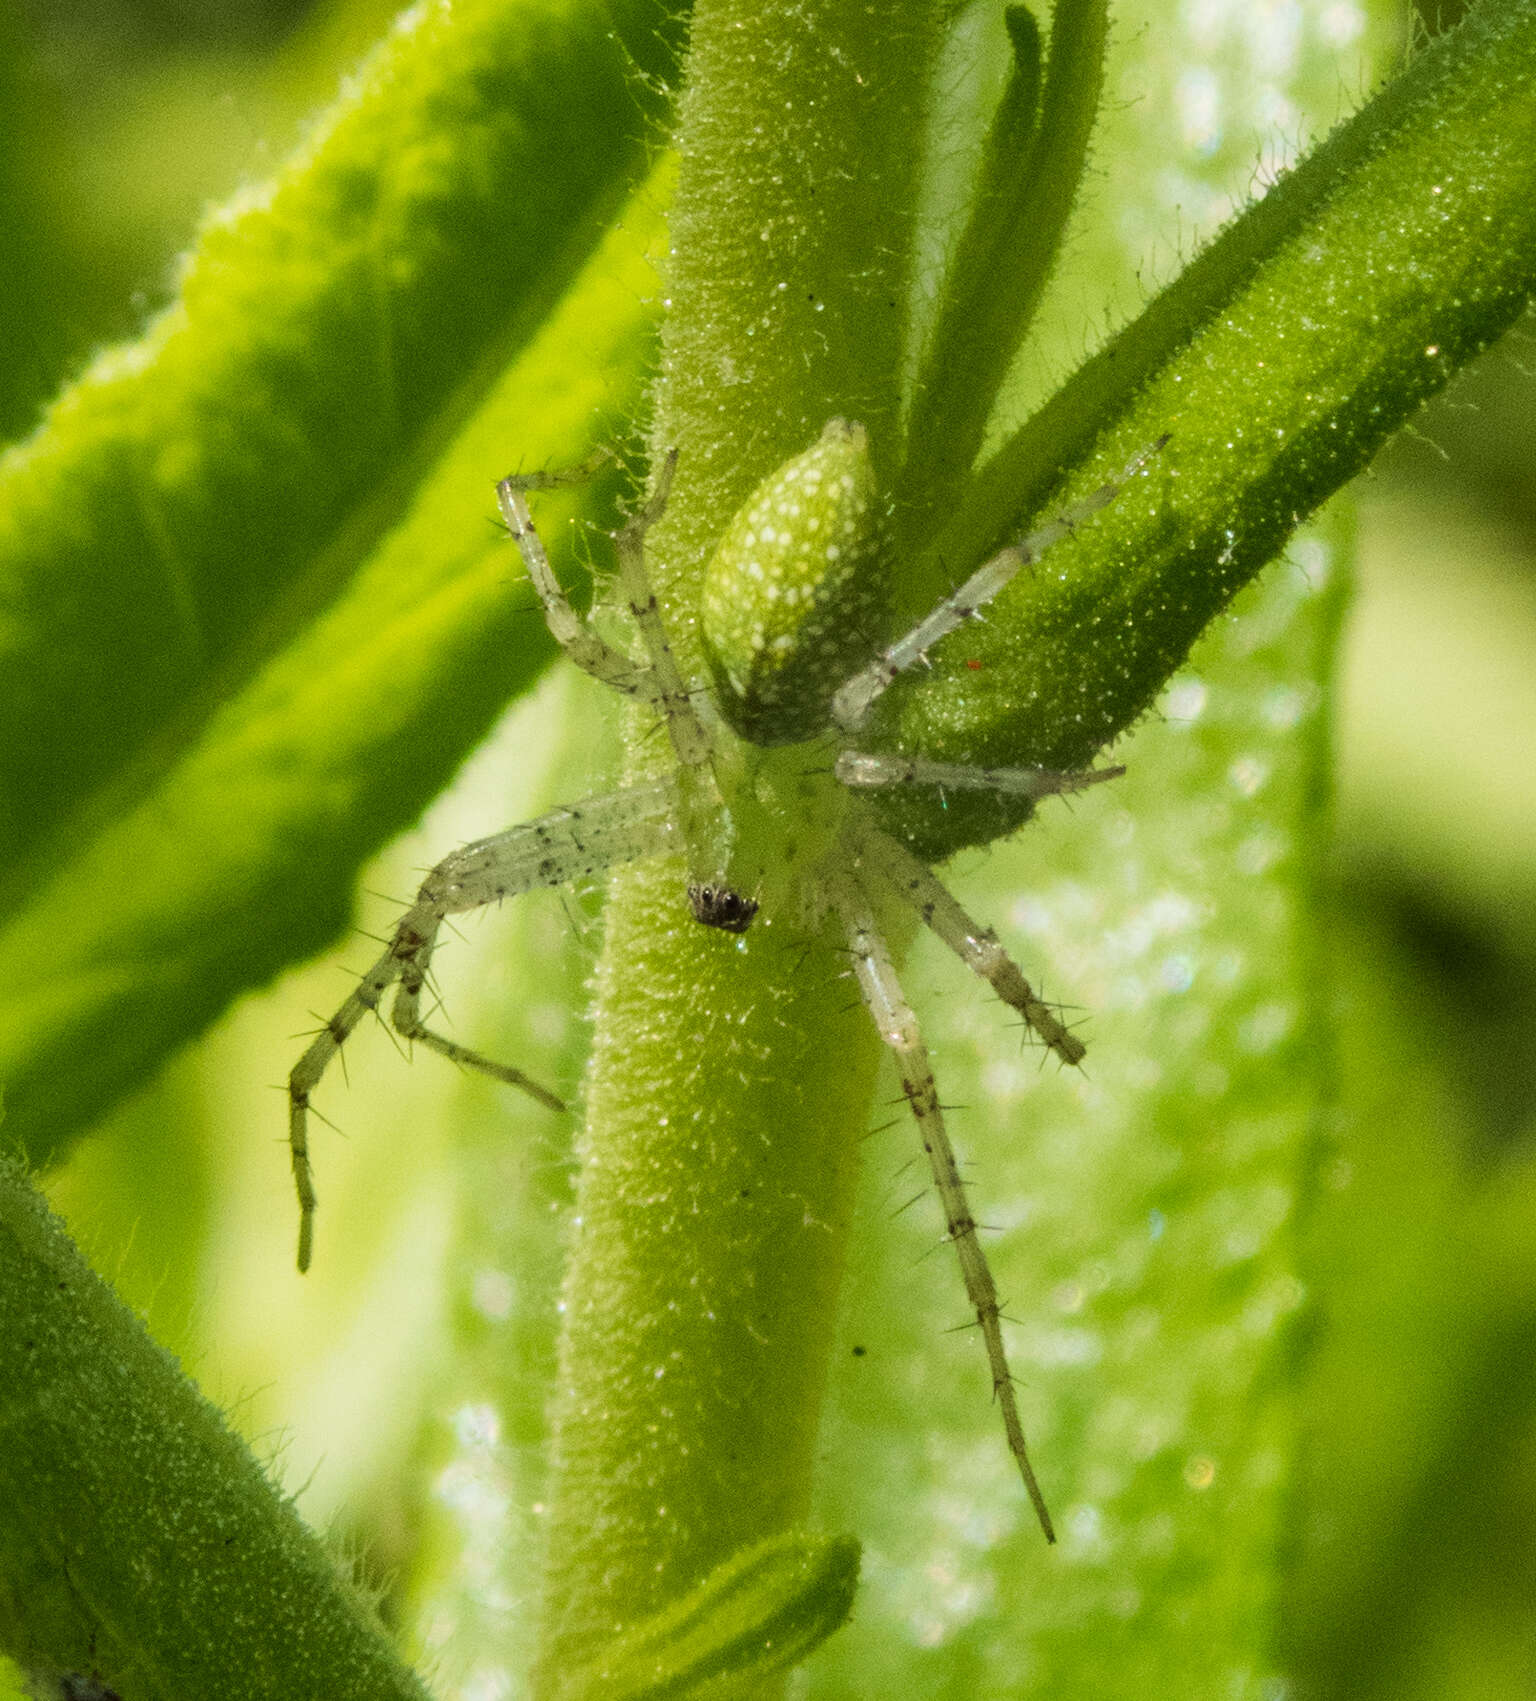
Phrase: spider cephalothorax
(789, 598)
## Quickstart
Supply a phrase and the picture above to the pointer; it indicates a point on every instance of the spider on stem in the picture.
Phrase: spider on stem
(788, 597)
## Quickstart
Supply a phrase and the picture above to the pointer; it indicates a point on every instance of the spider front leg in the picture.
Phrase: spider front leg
(658, 681)
(554, 850)
(917, 884)
(898, 1028)
(855, 699)
(591, 653)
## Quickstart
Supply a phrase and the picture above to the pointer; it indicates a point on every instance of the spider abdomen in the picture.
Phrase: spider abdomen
(793, 599)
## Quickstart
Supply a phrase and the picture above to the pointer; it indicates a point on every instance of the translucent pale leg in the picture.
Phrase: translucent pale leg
(661, 681)
(851, 705)
(976, 946)
(702, 817)
(566, 845)
(855, 768)
(591, 653)
(898, 1028)
(690, 738)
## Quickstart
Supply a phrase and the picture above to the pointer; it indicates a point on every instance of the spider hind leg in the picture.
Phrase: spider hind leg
(898, 1027)
(590, 652)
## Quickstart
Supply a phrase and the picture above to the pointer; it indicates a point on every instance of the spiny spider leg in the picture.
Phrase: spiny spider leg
(898, 1028)
(851, 705)
(660, 682)
(590, 653)
(565, 845)
(700, 806)
(855, 768)
(690, 738)
(405, 1017)
(703, 817)
(976, 946)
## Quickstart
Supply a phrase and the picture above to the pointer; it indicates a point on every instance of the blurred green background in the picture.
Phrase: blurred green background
(1415, 1570)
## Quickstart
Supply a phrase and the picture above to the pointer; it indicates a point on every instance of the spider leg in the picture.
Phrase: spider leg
(898, 1028)
(976, 946)
(405, 1017)
(703, 818)
(661, 682)
(591, 653)
(851, 705)
(305, 1076)
(690, 738)
(565, 845)
(855, 768)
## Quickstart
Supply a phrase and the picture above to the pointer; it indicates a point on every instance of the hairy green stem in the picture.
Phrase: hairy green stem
(1280, 361)
(731, 1077)
(141, 1539)
(728, 1084)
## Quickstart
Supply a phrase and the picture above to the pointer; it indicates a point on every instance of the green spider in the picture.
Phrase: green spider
(789, 597)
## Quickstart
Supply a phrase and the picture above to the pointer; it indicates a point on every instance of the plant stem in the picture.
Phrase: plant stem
(731, 1080)
(140, 1536)
(1280, 360)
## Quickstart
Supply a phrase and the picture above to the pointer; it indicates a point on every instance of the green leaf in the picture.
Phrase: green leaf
(1143, 1217)
(1029, 178)
(332, 329)
(759, 1613)
(138, 1538)
(1280, 360)
(203, 755)
(30, 261)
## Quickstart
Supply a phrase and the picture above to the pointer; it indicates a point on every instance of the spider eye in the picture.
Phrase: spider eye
(720, 906)
(793, 597)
